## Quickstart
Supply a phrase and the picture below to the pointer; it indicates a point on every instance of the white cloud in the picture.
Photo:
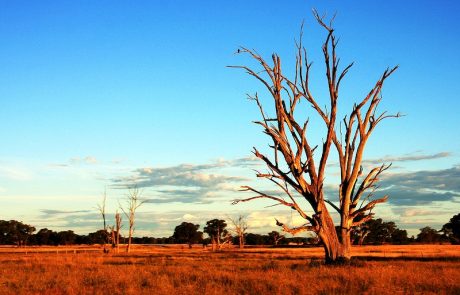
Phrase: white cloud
(408, 158)
(84, 160)
(185, 183)
(189, 217)
(16, 173)
(88, 160)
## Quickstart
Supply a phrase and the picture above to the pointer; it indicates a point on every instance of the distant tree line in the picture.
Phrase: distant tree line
(378, 232)
(372, 232)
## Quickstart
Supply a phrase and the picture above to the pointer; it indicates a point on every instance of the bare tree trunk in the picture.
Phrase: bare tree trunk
(118, 228)
(329, 239)
(362, 237)
(337, 249)
(218, 239)
(112, 237)
(213, 244)
(128, 248)
(130, 233)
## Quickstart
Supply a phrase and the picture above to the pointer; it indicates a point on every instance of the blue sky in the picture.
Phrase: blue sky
(93, 94)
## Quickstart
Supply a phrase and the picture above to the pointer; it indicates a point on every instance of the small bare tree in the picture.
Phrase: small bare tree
(226, 240)
(302, 172)
(101, 208)
(216, 230)
(361, 232)
(240, 226)
(133, 202)
(118, 226)
(275, 237)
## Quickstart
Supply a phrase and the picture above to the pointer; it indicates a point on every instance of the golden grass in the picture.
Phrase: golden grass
(172, 270)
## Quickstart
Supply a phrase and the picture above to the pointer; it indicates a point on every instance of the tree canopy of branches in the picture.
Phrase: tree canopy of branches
(295, 166)
(216, 229)
(452, 229)
(15, 232)
(45, 237)
(187, 233)
(377, 232)
(275, 237)
(429, 235)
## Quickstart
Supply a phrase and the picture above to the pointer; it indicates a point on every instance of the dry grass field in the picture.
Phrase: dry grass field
(418, 269)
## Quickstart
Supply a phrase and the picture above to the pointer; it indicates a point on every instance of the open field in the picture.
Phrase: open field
(423, 269)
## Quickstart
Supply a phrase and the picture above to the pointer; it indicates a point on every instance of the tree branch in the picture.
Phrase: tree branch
(295, 230)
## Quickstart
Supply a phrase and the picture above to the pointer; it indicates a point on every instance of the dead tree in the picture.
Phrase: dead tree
(101, 208)
(216, 229)
(240, 227)
(359, 233)
(226, 240)
(133, 202)
(295, 168)
(118, 226)
(276, 237)
(112, 236)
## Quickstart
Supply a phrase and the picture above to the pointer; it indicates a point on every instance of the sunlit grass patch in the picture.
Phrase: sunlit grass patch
(266, 271)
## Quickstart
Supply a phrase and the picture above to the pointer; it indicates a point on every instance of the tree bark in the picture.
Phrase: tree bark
(128, 248)
(337, 249)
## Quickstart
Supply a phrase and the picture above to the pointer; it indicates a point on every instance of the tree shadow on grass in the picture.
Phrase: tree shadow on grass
(379, 258)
